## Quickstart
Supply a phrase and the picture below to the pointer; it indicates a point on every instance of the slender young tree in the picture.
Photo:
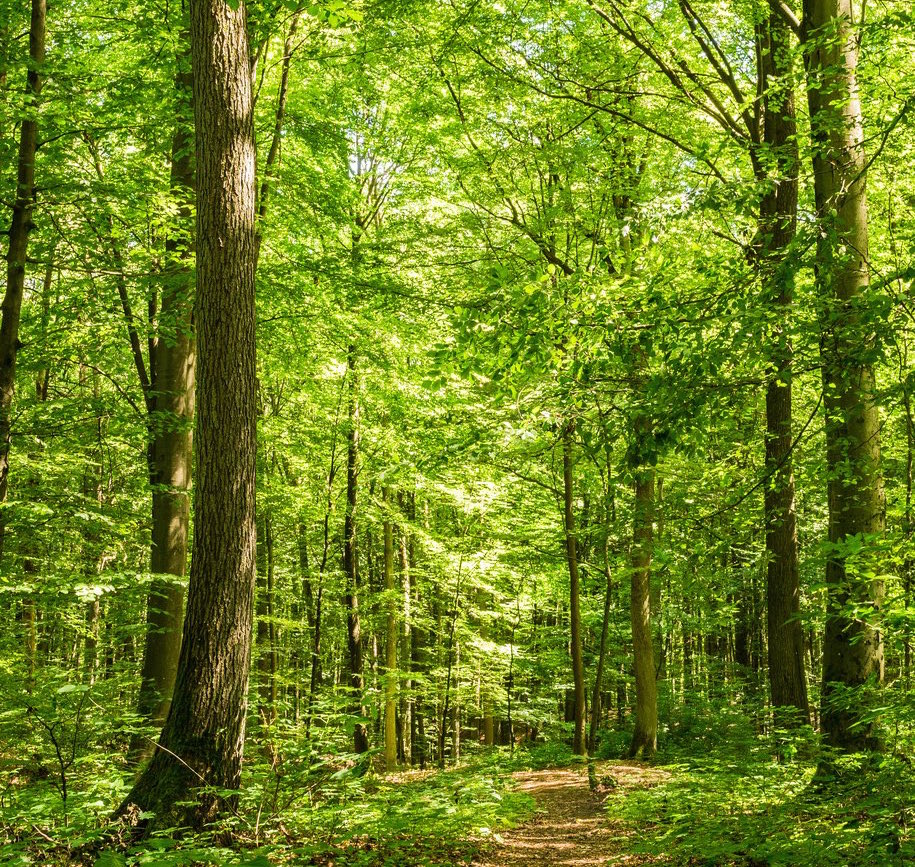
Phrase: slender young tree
(202, 742)
(351, 555)
(391, 638)
(579, 742)
(609, 515)
(267, 652)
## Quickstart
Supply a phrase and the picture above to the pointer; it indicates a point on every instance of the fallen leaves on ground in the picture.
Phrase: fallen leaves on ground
(571, 828)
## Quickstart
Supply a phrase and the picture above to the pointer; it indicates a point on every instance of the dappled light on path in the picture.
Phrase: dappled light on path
(571, 828)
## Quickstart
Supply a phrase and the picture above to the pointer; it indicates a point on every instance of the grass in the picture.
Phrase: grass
(744, 807)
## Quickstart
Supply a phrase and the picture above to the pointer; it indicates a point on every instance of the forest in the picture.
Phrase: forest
(459, 432)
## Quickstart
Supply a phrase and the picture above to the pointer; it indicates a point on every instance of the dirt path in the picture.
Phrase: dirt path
(571, 828)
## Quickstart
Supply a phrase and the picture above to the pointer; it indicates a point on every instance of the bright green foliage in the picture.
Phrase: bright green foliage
(727, 808)
(515, 219)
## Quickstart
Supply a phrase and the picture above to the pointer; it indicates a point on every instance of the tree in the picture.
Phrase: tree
(351, 554)
(645, 734)
(169, 392)
(776, 228)
(202, 743)
(853, 646)
(552, 287)
(390, 643)
(20, 228)
(765, 129)
(579, 741)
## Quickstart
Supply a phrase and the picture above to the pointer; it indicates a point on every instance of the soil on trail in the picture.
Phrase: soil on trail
(571, 828)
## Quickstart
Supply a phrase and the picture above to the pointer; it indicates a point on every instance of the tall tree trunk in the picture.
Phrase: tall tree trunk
(390, 644)
(907, 529)
(266, 624)
(406, 696)
(350, 557)
(853, 646)
(314, 679)
(314, 600)
(743, 619)
(486, 709)
(419, 656)
(656, 604)
(579, 744)
(452, 656)
(29, 611)
(277, 137)
(93, 492)
(309, 599)
(203, 738)
(601, 658)
(645, 736)
(318, 597)
(776, 229)
(456, 706)
(609, 521)
(171, 413)
(20, 228)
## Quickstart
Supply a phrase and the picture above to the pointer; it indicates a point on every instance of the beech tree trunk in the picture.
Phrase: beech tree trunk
(314, 603)
(406, 696)
(776, 230)
(203, 739)
(29, 611)
(579, 744)
(907, 529)
(93, 558)
(267, 653)
(601, 660)
(419, 663)
(20, 228)
(486, 703)
(171, 412)
(390, 646)
(350, 557)
(853, 646)
(645, 736)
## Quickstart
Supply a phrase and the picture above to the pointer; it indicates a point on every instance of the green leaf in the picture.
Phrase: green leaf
(72, 687)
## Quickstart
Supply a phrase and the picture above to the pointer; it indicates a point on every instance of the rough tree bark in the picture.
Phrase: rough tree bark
(20, 228)
(202, 742)
(776, 229)
(853, 646)
(170, 402)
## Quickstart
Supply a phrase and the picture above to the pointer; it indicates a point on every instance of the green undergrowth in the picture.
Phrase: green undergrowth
(442, 817)
(743, 807)
(334, 815)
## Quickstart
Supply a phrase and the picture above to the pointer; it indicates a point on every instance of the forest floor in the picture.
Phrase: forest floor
(571, 827)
